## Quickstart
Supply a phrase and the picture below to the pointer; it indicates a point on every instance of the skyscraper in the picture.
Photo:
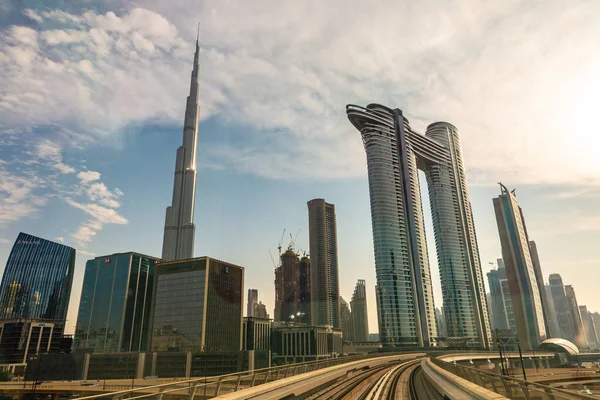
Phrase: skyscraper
(589, 328)
(360, 316)
(501, 303)
(178, 240)
(395, 154)
(197, 306)
(551, 314)
(324, 284)
(573, 308)
(520, 272)
(292, 288)
(596, 319)
(441, 322)
(537, 268)
(347, 322)
(34, 297)
(565, 320)
(252, 300)
(116, 299)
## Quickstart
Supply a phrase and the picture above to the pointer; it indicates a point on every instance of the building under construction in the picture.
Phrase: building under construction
(292, 288)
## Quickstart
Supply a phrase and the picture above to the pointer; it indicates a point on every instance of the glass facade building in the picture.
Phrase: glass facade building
(520, 271)
(34, 298)
(37, 280)
(404, 295)
(360, 316)
(198, 306)
(114, 311)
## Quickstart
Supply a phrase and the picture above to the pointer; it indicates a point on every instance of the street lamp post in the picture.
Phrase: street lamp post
(521, 357)
(500, 352)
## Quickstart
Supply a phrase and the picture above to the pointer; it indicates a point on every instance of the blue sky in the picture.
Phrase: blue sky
(92, 98)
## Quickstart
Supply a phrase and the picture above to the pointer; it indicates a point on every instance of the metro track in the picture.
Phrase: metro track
(421, 388)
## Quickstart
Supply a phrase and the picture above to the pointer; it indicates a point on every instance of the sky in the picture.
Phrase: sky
(92, 98)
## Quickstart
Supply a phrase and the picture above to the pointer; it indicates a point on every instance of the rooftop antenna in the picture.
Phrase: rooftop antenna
(198, 33)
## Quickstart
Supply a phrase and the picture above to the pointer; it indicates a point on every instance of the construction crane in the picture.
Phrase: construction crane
(293, 243)
(280, 241)
(272, 260)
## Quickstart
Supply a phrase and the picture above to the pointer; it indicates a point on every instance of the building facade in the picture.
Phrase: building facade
(260, 311)
(252, 300)
(360, 315)
(179, 233)
(563, 315)
(552, 316)
(324, 284)
(197, 306)
(34, 298)
(395, 154)
(292, 288)
(576, 321)
(441, 322)
(500, 303)
(588, 327)
(115, 305)
(537, 268)
(596, 320)
(347, 322)
(256, 334)
(293, 342)
(520, 272)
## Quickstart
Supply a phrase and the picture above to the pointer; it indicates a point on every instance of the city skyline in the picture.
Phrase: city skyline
(70, 186)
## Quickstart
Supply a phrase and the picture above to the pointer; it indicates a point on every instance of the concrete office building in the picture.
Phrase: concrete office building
(588, 327)
(537, 268)
(520, 272)
(551, 314)
(197, 306)
(347, 323)
(360, 315)
(116, 299)
(563, 315)
(252, 300)
(576, 321)
(260, 311)
(34, 297)
(324, 283)
(179, 232)
(395, 154)
(293, 342)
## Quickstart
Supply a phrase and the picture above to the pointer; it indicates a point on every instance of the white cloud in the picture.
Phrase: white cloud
(88, 176)
(19, 197)
(60, 239)
(491, 70)
(4, 241)
(99, 192)
(86, 253)
(100, 214)
(48, 150)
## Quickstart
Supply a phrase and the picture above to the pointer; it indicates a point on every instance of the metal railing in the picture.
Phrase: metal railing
(209, 387)
(509, 386)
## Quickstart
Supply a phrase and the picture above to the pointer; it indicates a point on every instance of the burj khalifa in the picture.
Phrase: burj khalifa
(178, 241)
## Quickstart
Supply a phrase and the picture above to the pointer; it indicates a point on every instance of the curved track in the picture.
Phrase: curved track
(421, 388)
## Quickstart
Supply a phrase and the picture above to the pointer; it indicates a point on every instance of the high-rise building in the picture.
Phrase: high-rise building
(116, 299)
(178, 240)
(34, 297)
(197, 306)
(360, 315)
(252, 301)
(260, 311)
(500, 297)
(520, 272)
(395, 154)
(441, 322)
(552, 317)
(292, 288)
(324, 284)
(563, 315)
(596, 320)
(573, 308)
(347, 323)
(588, 327)
(537, 269)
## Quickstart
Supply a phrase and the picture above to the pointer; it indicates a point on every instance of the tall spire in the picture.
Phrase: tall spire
(178, 240)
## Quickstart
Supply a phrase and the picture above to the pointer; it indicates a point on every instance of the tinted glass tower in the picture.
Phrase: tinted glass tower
(34, 297)
(395, 154)
(37, 280)
(520, 271)
(116, 300)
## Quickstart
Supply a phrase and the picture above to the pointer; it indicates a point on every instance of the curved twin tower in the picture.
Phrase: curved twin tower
(395, 154)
